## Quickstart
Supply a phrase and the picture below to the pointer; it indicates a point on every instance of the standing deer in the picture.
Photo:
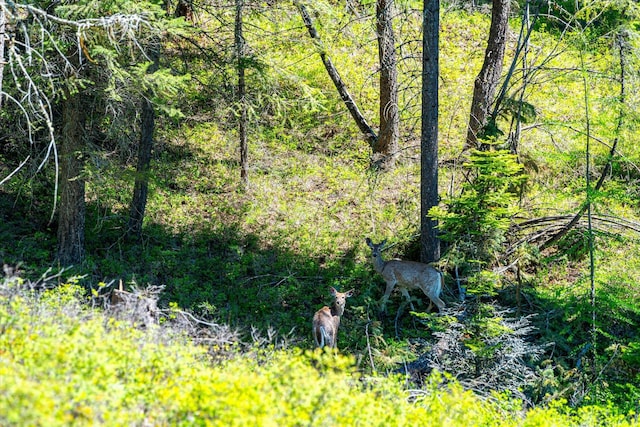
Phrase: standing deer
(327, 320)
(408, 275)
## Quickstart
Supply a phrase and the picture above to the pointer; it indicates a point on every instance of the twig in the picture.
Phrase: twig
(366, 332)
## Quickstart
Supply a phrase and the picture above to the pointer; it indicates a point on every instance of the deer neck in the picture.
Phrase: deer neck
(379, 263)
(337, 311)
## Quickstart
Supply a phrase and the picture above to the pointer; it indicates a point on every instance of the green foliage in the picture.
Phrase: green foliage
(65, 364)
(482, 329)
(511, 110)
(476, 221)
(483, 282)
(483, 211)
(595, 17)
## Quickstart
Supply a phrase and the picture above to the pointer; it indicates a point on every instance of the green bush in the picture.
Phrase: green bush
(63, 363)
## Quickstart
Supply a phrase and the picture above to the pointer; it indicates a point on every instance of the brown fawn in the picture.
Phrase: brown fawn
(327, 320)
(407, 275)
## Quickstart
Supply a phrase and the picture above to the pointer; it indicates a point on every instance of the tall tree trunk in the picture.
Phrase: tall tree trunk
(487, 80)
(430, 244)
(242, 125)
(3, 60)
(387, 146)
(71, 209)
(364, 127)
(145, 147)
(516, 131)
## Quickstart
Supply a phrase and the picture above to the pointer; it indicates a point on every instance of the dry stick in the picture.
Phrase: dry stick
(364, 127)
(589, 205)
(550, 222)
(551, 225)
(366, 331)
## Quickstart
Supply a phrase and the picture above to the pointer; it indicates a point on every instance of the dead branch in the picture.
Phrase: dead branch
(540, 231)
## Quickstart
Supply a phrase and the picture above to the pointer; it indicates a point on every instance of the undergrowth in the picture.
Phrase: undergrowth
(65, 363)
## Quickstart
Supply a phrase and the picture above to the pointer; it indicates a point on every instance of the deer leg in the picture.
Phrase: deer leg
(405, 294)
(433, 298)
(437, 301)
(385, 297)
(400, 309)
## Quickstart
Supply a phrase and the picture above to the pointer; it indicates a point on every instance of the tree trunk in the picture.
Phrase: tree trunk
(364, 127)
(71, 209)
(487, 80)
(3, 60)
(184, 8)
(242, 125)
(430, 244)
(387, 145)
(141, 186)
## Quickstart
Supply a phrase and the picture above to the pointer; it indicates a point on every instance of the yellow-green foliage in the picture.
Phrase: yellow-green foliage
(62, 363)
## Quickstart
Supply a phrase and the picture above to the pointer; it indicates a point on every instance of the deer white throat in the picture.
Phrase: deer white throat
(378, 263)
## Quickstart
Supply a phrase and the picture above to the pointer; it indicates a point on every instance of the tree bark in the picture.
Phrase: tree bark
(242, 125)
(387, 145)
(487, 80)
(71, 209)
(364, 127)
(3, 60)
(430, 244)
(145, 148)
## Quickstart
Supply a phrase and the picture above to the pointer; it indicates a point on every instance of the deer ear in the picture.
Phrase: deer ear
(369, 242)
(333, 291)
(350, 293)
(384, 242)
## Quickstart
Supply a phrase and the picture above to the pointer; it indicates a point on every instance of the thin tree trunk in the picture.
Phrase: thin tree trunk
(242, 125)
(430, 244)
(622, 47)
(3, 60)
(514, 136)
(71, 209)
(387, 145)
(364, 127)
(145, 148)
(487, 80)
(522, 45)
(141, 186)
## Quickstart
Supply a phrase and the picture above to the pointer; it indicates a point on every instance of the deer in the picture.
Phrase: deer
(407, 275)
(327, 320)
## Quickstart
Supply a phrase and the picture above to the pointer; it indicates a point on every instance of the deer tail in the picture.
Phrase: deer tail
(323, 334)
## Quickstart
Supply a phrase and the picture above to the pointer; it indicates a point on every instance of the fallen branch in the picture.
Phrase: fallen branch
(544, 231)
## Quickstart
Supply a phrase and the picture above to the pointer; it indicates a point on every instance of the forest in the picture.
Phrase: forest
(186, 186)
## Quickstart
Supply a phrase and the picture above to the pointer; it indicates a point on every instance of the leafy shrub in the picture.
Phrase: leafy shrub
(63, 363)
